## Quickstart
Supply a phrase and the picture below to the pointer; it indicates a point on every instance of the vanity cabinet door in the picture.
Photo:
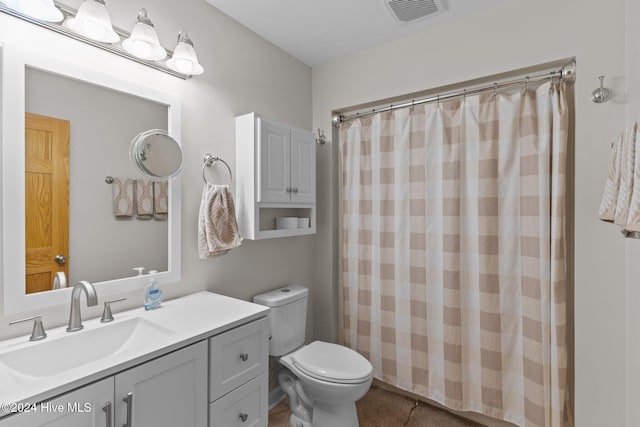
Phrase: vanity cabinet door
(89, 406)
(166, 392)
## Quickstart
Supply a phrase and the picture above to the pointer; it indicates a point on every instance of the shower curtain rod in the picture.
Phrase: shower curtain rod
(566, 73)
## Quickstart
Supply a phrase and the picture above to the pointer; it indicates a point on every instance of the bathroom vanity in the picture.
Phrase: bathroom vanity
(198, 360)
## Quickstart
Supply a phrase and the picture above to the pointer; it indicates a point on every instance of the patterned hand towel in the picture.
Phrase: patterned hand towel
(160, 200)
(144, 199)
(122, 197)
(217, 226)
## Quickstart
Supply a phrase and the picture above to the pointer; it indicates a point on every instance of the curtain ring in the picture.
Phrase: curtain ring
(495, 89)
(464, 96)
(438, 99)
(526, 82)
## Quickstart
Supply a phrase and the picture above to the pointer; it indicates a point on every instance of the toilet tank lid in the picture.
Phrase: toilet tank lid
(281, 296)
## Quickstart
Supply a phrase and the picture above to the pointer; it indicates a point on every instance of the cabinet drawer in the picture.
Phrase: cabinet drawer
(245, 406)
(237, 356)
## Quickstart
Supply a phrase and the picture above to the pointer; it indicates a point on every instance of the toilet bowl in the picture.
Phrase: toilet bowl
(322, 380)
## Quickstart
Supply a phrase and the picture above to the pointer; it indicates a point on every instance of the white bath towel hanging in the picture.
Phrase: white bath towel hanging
(621, 199)
(217, 226)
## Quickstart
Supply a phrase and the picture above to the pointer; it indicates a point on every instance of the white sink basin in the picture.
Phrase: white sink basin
(54, 356)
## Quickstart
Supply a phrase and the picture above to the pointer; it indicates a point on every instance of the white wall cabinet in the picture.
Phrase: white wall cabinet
(276, 176)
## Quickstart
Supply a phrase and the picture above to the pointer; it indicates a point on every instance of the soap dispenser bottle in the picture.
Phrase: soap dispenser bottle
(152, 295)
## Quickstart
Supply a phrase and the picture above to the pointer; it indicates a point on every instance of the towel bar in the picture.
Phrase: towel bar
(208, 160)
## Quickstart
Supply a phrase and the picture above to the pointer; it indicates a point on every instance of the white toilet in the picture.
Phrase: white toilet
(322, 380)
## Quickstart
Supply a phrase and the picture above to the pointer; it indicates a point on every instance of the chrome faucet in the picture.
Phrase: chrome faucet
(75, 321)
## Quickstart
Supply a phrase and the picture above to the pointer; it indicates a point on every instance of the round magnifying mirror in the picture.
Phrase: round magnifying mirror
(156, 155)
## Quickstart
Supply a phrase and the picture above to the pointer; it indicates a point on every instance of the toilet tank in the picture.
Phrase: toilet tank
(287, 317)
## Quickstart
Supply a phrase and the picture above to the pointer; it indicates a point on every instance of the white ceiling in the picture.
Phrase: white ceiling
(318, 31)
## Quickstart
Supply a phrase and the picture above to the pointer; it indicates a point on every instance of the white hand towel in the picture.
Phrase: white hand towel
(122, 197)
(144, 199)
(217, 226)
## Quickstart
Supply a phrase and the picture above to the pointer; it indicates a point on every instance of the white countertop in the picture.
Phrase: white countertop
(190, 319)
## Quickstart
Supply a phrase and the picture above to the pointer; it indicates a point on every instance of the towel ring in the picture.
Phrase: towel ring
(208, 160)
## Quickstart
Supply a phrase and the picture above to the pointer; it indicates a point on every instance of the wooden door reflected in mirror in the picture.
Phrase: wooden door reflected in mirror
(46, 200)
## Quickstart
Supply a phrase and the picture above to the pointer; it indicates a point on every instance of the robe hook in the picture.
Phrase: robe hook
(601, 94)
(321, 139)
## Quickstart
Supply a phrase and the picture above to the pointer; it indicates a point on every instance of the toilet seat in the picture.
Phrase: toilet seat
(332, 363)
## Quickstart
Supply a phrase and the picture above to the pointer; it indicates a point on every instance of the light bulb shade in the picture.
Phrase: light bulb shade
(93, 21)
(43, 10)
(143, 41)
(184, 59)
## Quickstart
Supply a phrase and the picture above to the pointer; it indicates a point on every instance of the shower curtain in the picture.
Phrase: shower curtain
(453, 251)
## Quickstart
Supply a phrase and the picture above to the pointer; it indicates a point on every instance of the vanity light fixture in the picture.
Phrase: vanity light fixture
(93, 21)
(43, 10)
(184, 59)
(91, 24)
(143, 41)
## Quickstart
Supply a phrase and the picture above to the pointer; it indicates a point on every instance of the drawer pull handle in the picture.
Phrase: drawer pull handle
(243, 417)
(244, 357)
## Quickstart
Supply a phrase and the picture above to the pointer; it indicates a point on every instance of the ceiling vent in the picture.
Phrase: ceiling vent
(407, 11)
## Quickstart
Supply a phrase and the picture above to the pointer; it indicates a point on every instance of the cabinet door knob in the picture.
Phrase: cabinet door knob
(243, 417)
(244, 357)
(295, 190)
(289, 189)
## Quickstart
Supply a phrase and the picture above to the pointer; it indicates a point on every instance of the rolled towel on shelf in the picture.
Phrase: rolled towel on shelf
(217, 226)
(122, 197)
(160, 200)
(144, 199)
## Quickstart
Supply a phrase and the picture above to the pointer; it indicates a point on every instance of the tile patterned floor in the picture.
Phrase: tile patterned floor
(381, 408)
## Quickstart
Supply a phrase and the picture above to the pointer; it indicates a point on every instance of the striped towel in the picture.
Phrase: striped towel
(217, 226)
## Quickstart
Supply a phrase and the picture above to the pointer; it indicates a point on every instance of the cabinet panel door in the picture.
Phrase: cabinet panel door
(80, 408)
(167, 392)
(303, 167)
(275, 158)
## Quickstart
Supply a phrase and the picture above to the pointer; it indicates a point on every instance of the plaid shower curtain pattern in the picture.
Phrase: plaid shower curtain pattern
(453, 251)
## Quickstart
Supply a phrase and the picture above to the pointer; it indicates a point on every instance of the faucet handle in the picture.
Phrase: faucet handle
(107, 315)
(38, 332)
